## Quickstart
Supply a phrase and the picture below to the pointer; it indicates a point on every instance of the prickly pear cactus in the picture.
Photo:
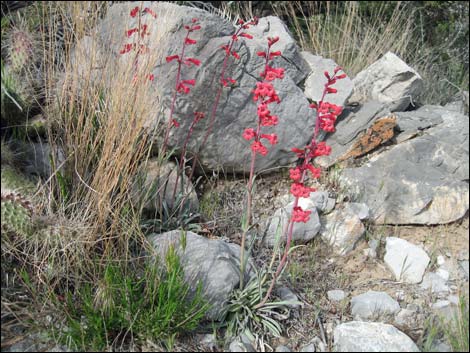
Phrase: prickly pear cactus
(21, 46)
(16, 215)
(14, 182)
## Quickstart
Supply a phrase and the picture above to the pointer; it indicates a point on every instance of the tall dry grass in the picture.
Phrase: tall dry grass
(355, 39)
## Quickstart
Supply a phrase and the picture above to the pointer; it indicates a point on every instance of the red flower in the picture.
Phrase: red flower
(246, 35)
(248, 134)
(175, 123)
(193, 61)
(150, 12)
(151, 77)
(274, 54)
(127, 48)
(300, 190)
(258, 147)
(270, 120)
(172, 57)
(273, 40)
(261, 54)
(198, 116)
(316, 172)
(131, 32)
(299, 215)
(300, 153)
(134, 11)
(295, 174)
(272, 138)
(271, 73)
(190, 41)
(321, 150)
(235, 54)
(331, 90)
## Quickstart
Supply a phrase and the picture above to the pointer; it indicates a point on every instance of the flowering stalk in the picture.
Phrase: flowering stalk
(264, 94)
(224, 81)
(181, 86)
(138, 46)
(327, 114)
(198, 116)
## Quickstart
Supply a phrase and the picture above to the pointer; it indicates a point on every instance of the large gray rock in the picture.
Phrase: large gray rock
(389, 80)
(419, 181)
(315, 82)
(350, 128)
(373, 305)
(342, 229)
(407, 261)
(225, 148)
(302, 232)
(356, 336)
(214, 263)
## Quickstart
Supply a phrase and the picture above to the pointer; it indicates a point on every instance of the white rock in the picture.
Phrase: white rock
(373, 305)
(336, 295)
(342, 229)
(435, 283)
(443, 274)
(407, 261)
(441, 260)
(356, 336)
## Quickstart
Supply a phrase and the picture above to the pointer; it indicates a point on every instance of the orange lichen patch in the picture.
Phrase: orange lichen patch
(380, 132)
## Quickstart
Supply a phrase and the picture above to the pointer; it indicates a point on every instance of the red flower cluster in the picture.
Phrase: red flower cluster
(265, 94)
(327, 115)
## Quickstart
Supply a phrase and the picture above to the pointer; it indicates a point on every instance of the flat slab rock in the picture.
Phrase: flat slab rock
(373, 305)
(389, 80)
(225, 148)
(420, 181)
(213, 262)
(407, 261)
(357, 336)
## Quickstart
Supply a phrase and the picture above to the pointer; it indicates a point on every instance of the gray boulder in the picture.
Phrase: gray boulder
(225, 147)
(407, 261)
(412, 123)
(323, 201)
(315, 82)
(389, 80)
(373, 305)
(302, 232)
(419, 181)
(214, 263)
(435, 284)
(356, 336)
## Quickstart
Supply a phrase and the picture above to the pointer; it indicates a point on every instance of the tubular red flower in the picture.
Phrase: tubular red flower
(131, 32)
(175, 123)
(134, 11)
(190, 41)
(295, 174)
(127, 48)
(259, 147)
(193, 61)
(299, 215)
(272, 40)
(261, 54)
(172, 57)
(316, 172)
(235, 54)
(150, 12)
(272, 138)
(249, 134)
(300, 190)
(246, 35)
(321, 149)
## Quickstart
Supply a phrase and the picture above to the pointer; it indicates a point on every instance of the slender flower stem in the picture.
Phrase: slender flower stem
(290, 226)
(216, 102)
(175, 95)
(249, 206)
